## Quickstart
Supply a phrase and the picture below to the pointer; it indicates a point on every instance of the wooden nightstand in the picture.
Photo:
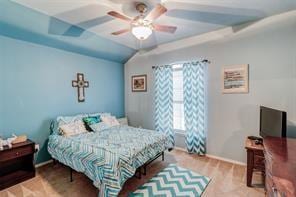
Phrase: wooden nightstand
(17, 164)
(255, 159)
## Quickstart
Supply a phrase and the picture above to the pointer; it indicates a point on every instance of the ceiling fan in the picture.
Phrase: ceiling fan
(142, 25)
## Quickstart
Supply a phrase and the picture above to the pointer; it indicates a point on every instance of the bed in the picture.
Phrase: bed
(108, 157)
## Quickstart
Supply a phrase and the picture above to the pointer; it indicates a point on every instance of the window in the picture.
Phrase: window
(178, 105)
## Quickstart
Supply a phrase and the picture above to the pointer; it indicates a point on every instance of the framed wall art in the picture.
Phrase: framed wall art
(235, 79)
(139, 83)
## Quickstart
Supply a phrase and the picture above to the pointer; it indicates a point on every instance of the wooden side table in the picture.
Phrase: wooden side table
(17, 164)
(255, 159)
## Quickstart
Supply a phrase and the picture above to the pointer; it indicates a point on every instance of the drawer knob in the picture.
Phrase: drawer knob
(17, 153)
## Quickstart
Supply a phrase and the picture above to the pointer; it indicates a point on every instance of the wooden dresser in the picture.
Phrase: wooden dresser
(280, 166)
(17, 164)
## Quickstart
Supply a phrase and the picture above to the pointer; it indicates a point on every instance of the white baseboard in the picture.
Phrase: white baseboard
(226, 160)
(179, 148)
(216, 157)
(43, 163)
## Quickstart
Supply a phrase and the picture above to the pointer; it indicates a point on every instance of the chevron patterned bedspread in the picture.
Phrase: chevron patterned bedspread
(108, 157)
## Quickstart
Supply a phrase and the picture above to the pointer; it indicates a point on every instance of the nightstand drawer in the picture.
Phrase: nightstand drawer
(259, 162)
(17, 163)
(16, 152)
(259, 153)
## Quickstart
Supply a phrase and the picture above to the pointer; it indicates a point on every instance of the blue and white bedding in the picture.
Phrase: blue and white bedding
(108, 157)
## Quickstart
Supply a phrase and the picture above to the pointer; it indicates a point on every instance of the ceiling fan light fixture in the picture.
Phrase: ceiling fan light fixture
(141, 28)
(142, 25)
(141, 32)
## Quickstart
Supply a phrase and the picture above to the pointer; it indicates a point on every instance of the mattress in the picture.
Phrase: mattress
(108, 157)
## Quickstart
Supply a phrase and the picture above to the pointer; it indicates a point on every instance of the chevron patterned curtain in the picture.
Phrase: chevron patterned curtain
(163, 98)
(194, 106)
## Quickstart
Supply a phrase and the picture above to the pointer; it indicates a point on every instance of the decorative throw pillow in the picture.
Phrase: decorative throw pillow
(110, 121)
(62, 120)
(99, 126)
(73, 128)
(92, 120)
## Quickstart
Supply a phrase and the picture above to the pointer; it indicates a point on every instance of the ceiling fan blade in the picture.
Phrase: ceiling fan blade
(156, 12)
(165, 28)
(122, 31)
(120, 16)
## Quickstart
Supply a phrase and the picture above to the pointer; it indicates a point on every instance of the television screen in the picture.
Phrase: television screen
(272, 122)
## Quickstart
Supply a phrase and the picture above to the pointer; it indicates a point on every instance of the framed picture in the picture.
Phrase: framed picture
(235, 79)
(139, 83)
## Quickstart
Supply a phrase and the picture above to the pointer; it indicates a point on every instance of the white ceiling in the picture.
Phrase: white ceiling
(192, 17)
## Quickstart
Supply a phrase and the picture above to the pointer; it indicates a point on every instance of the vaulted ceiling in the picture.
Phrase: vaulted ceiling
(83, 25)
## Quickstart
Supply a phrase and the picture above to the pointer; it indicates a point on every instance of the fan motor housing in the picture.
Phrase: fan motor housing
(141, 7)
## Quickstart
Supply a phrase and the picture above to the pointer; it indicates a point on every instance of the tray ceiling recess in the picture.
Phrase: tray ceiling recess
(124, 21)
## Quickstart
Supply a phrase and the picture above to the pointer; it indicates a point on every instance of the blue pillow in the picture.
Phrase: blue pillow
(88, 121)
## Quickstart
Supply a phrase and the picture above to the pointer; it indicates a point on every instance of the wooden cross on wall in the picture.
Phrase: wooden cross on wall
(80, 84)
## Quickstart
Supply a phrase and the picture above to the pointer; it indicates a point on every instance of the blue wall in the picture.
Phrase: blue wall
(35, 87)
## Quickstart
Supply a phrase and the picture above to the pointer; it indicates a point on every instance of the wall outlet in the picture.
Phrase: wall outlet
(37, 148)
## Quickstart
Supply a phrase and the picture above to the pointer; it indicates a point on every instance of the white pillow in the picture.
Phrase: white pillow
(110, 121)
(72, 128)
(123, 121)
(99, 126)
(62, 120)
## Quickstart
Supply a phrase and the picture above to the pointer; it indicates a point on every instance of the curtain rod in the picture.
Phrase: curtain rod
(204, 61)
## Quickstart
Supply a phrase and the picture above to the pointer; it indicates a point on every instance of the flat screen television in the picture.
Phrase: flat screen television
(272, 122)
